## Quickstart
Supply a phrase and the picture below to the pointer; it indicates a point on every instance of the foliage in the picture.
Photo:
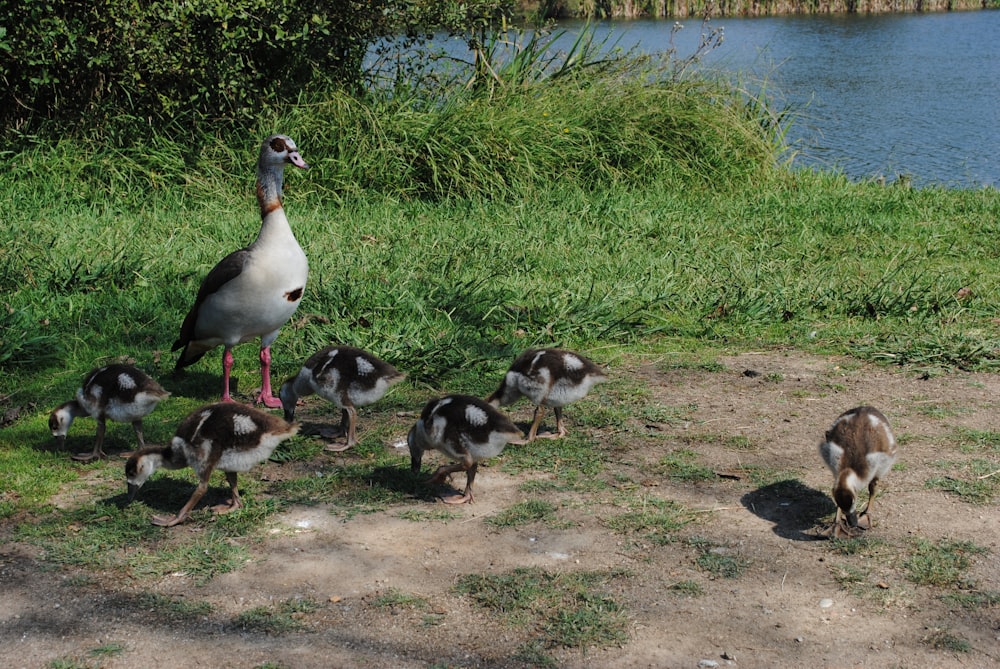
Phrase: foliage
(522, 513)
(941, 564)
(568, 609)
(127, 68)
(278, 619)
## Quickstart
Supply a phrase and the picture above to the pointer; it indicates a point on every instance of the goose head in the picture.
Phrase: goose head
(279, 150)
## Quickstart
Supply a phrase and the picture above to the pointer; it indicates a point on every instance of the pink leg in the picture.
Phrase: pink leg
(227, 366)
(266, 397)
(467, 498)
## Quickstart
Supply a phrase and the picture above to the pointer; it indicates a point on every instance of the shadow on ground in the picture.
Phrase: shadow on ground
(795, 509)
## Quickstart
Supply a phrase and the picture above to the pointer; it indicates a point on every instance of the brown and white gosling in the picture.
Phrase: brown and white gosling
(347, 376)
(225, 436)
(859, 449)
(464, 428)
(122, 393)
(548, 377)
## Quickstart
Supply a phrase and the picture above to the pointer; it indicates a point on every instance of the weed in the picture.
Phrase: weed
(872, 547)
(977, 441)
(940, 564)
(973, 599)
(533, 653)
(680, 465)
(943, 639)
(522, 513)
(979, 485)
(736, 442)
(107, 650)
(687, 588)
(394, 598)
(567, 608)
(718, 560)
(71, 663)
(276, 620)
(656, 520)
(669, 415)
(780, 481)
(709, 366)
(422, 516)
(574, 462)
(937, 411)
(174, 608)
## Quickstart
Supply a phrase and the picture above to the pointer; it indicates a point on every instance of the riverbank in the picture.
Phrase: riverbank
(634, 9)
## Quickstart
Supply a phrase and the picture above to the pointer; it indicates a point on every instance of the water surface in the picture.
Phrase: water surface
(886, 95)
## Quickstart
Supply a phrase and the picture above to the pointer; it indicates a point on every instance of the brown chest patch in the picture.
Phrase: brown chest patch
(294, 296)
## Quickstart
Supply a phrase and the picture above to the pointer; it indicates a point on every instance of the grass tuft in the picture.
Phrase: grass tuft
(523, 513)
(942, 564)
(278, 619)
(568, 609)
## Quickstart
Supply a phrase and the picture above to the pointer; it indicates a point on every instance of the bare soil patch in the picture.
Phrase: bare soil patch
(763, 412)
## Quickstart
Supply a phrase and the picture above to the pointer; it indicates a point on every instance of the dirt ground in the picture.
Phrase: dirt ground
(785, 609)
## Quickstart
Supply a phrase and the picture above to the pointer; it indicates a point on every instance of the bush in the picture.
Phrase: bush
(124, 67)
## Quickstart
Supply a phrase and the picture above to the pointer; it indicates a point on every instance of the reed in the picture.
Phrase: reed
(634, 9)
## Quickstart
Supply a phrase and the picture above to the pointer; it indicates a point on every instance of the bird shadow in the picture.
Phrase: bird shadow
(795, 509)
(200, 385)
(402, 481)
(167, 495)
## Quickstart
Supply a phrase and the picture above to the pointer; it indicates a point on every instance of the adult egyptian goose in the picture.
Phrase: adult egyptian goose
(347, 376)
(464, 428)
(254, 291)
(225, 436)
(859, 449)
(121, 393)
(548, 377)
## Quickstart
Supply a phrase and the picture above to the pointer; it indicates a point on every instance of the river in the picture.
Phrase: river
(891, 95)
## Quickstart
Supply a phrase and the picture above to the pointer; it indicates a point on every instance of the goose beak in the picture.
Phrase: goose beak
(295, 159)
(132, 490)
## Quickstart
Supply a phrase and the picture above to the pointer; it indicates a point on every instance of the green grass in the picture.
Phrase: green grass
(567, 609)
(174, 608)
(102, 537)
(628, 215)
(976, 481)
(651, 519)
(944, 639)
(687, 588)
(942, 564)
(718, 560)
(282, 618)
(523, 513)
(682, 465)
(976, 441)
(395, 598)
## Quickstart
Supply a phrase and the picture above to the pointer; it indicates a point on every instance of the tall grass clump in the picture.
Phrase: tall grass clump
(537, 116)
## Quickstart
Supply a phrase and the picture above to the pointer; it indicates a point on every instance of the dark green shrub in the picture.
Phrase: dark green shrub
(123, 66)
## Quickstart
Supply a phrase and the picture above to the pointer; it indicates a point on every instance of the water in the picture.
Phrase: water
(903, 94)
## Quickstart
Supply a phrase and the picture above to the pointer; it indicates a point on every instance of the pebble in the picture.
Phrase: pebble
(707, 664)
(825, 603)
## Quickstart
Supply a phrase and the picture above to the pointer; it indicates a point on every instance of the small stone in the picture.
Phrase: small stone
(825, 603)
(728, 656)
(707, 664)
(799, 639)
